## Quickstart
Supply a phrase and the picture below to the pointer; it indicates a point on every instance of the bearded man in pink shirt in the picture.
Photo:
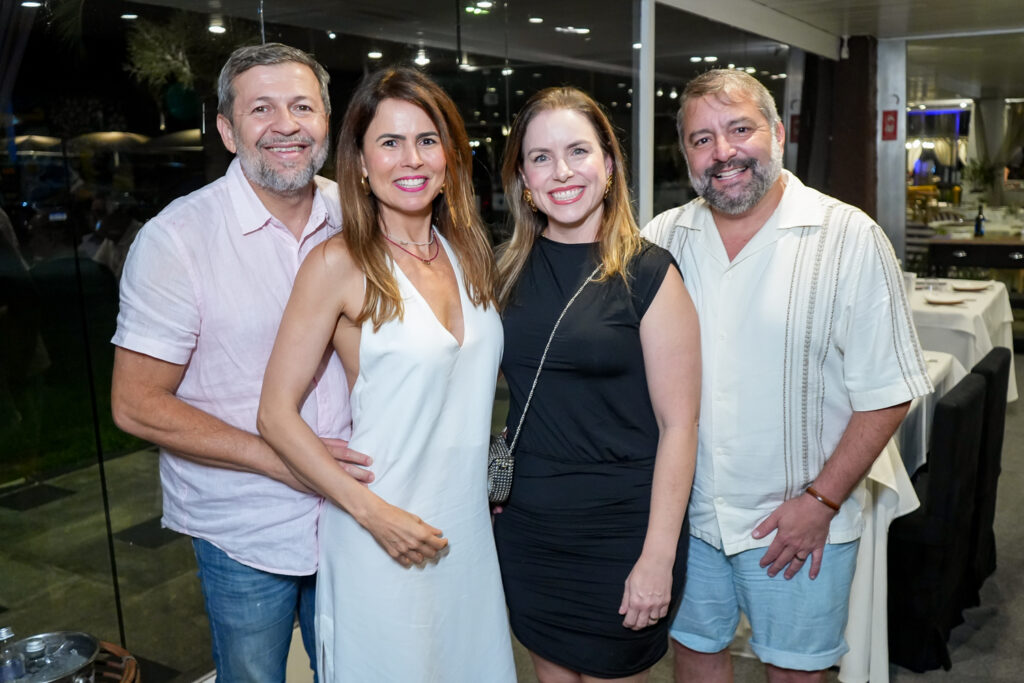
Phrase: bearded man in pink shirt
(202, 294)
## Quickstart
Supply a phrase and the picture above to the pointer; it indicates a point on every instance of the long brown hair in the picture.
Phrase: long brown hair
(454, 211)
(618, 237)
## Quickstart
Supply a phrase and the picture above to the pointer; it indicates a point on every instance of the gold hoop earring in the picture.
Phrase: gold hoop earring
(528, 198)
(365, 184)
(608, 186)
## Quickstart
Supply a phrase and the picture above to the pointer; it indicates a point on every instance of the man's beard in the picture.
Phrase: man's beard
(293, 179)
(761, 180)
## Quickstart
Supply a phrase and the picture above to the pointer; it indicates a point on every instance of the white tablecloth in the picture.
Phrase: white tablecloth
(967, 330)
(889, 495)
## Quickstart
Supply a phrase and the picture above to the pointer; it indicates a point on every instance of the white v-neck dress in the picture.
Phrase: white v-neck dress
(421, 407)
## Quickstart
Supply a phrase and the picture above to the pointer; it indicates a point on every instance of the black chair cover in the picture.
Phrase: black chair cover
(928, 549)
(995, 368)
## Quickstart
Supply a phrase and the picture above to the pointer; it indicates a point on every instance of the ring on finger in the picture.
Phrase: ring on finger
(802, 558)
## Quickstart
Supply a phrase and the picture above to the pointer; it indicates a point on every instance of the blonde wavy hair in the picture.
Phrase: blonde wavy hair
(454, 210)
(618, 237)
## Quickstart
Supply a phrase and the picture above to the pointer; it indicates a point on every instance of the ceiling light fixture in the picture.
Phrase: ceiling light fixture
(711, 58)
(695, 59)
(485, 4)
(637, 46)
(421, 58)
(536, 20)
(374, 54)
(32, 5)
(332, 35)
(673, 94)
(507, 71)
(581, 31)
(750, 70)
(129, 17)
(216, 24)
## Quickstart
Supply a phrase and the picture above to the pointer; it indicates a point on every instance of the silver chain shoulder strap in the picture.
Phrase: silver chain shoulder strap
(544, 355)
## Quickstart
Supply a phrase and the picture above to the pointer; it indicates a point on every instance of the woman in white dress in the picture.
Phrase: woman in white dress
(408, 588)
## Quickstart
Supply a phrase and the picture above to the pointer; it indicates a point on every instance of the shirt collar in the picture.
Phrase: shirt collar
(253, 215)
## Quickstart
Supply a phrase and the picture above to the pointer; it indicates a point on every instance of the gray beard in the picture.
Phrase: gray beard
(761, 180)
(258, 171)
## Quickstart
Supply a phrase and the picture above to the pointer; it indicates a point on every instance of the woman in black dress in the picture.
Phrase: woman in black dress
(589, 541)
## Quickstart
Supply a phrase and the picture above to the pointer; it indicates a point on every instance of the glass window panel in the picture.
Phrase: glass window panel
(685, 46)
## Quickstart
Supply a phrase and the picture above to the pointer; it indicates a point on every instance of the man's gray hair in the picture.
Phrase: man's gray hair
(726, 84)
(267, 54)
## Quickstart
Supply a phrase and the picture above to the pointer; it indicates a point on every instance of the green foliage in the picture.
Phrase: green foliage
(181, 51)
(159, 55)
(980, 174)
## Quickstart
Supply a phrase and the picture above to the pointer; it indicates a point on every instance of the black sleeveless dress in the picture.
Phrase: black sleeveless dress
(575, 523)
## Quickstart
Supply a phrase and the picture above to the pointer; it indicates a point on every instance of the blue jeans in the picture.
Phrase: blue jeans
(252, 616)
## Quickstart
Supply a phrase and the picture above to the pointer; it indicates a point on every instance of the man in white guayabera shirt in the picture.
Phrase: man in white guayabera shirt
(202, 295)
(809, 361)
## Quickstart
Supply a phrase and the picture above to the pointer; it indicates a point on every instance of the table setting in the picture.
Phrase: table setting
(965, 318)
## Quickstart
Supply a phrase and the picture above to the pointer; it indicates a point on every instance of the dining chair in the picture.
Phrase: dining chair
(995, 368)
(928, 549)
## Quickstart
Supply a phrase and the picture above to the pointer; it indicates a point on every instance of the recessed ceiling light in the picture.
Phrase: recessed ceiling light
(332, 35)
(129, 17)
(421, 58)
(31, 4)
(695, 59)
(507, 71)
(711, 58)
(485, 4)
(750, 70)
(637, 46)
(216, 24)
(536, 20)
(374, 54)
(580, 31)
(674, 94)
(659, 92)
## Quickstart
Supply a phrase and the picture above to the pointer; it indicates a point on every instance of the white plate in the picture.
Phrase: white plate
(940, 299)
(970, 286)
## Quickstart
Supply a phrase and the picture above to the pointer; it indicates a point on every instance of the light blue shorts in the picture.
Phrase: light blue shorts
(796, 624)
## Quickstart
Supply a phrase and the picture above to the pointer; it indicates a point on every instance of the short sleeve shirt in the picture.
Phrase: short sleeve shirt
(205, 286)
(807, 324)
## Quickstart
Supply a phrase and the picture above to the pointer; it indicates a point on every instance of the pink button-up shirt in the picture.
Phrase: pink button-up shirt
(204, 286)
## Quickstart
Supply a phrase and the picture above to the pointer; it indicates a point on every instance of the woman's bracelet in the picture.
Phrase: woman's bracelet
(822, 499)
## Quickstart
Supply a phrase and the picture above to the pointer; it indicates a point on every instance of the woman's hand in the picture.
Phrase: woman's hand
(647, 594)
(406, 538)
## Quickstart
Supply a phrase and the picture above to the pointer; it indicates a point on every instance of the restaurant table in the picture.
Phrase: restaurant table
(969, 329)
(889, 494)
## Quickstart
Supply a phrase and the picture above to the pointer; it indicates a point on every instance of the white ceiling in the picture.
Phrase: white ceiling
(955, 48)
